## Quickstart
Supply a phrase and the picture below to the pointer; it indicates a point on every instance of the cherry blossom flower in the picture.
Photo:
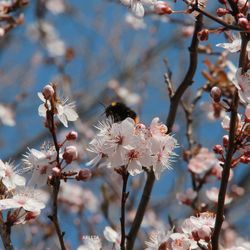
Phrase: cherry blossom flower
(226, 122)
(40, 163)
(134, 146)
(234, 45)
(75, 197)
(112, 236)
(7, 115)
(212, 195)
(242, 83)
(55, 6)
(65, 110)
(91, 243)
(187, 197)
(137, 6)
(203, 161)
(29, 199)
(9, 176)
(158, 239)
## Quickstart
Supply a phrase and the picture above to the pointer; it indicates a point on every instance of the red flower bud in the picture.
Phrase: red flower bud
(215, 93)
(71, 136)
(48, 92)
(84, 175)
(70, 154)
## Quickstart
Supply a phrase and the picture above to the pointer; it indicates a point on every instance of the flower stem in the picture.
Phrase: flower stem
(123, 203)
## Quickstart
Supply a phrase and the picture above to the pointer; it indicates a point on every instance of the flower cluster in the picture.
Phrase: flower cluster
(26, 202)
(134, 146)
(194, 233)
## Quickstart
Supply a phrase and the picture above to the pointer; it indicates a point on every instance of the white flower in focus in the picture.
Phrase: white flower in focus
(29, 199)
(9, 176)
(7, 115)
(213, 193)
(40, 163)
(162, 152)
(112, 236)
(65, 111)
(93, 243)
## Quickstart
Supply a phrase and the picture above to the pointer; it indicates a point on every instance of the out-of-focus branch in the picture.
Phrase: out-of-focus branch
(5, 231)
(174, 102)
(230, 151)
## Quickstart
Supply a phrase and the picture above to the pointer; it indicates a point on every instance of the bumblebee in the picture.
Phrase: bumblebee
(118, 111)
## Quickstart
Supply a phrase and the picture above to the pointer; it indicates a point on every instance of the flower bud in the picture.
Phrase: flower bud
(162, 8)
(203, 35)
(225, 140)
(56, 171)
(84, 175)
(72, 135)
(218, 149)
(48, 92)
(204, 232)
(244, 159)
(243, 22)
(70, 154)
(221, 12)
(215, 93)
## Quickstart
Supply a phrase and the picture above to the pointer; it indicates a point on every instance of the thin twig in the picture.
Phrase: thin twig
(5, 232)
(123, 203)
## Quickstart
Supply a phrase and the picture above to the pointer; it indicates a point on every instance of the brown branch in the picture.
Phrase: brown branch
(5, 231)
(123, 203)
(230, 151)
(140, 211)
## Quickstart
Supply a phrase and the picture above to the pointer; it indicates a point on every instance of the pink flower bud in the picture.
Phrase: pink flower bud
(215, 93)
(223, 1)
(162, 8)
(203, 35)
(225, 140)
(72, 135)
(244, 159)
(218, 149)
(243, 22)
(70, 154)
(56, 171)
(48, 92)
(84, 175)
(221, 12)
(204, 232)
